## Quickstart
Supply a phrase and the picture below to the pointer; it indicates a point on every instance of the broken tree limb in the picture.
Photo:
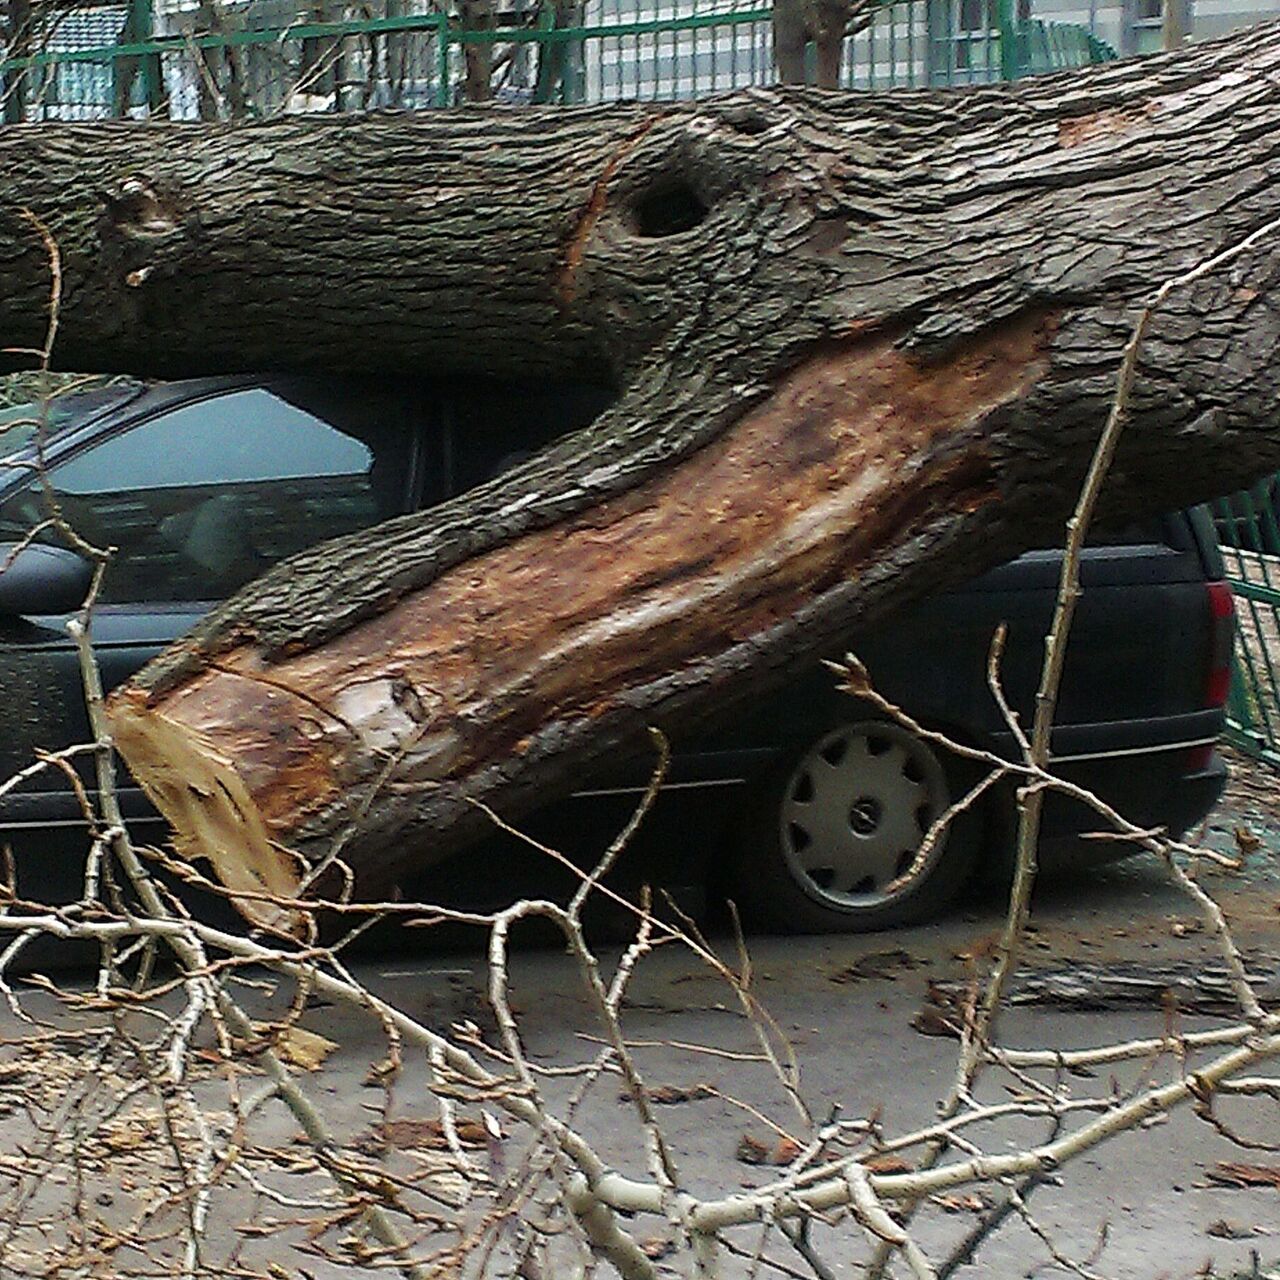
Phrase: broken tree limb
(862, 345)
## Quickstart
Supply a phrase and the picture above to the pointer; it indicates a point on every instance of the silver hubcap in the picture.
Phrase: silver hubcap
(855, 811)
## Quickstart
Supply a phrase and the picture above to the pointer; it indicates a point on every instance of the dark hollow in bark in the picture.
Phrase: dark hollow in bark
(863, 345)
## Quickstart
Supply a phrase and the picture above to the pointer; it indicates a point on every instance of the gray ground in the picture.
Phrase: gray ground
(848, 1005)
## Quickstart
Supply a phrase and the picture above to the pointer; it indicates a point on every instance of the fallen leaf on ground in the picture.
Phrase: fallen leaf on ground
(888, 1163)
(669, 1095)
(420, 1135)
(879, 964)
(932, 1021)
(381, 1072)
(657, 1247)
(960, 1204)
(1246, 841)
(1227, 1229)
(753, 1151)
(1228, 1174)
(306, 1049)
(787, 1150)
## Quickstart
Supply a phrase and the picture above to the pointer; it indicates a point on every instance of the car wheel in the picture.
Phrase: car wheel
(837, 829)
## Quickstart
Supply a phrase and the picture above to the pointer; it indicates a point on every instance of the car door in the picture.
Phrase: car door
(197, 499)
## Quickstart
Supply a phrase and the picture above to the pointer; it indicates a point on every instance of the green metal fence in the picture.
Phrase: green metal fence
(258, 62)
(1249, 535)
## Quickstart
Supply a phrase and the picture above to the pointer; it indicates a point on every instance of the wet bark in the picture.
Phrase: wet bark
(863, 345)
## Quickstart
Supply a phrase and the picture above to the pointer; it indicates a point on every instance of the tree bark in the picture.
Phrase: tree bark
(799, 23)
(477, 83)
(862, 345)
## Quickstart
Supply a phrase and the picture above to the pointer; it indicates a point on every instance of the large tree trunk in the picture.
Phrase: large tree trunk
(863, 345)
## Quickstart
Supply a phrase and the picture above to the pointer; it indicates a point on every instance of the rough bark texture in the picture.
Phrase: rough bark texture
(862, 344)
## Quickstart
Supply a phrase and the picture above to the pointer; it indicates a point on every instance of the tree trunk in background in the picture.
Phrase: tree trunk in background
(477, 83)
(220, 89)
(863, 346)
(16, 42)
(796, 24)
(560, 63)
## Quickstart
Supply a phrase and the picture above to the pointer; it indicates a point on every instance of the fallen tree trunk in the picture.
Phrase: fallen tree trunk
(863, 344)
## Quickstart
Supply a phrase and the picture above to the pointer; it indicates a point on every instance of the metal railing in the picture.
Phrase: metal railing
(1249, 535)
(615, 49)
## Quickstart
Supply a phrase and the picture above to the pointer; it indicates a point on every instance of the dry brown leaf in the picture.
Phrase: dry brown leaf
(888, 1163)
(782, 1152)
(1229, 1174)
(787, 1150)
(932, 1021)
(1229, 1229)
(1246, 841)
(876, 965)
(671, 1094)
(960, 1203)
(380, 1072)
(420, 1135)
(128, 1134)
(302, 1048)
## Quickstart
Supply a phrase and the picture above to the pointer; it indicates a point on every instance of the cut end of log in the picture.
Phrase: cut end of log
(210, 810)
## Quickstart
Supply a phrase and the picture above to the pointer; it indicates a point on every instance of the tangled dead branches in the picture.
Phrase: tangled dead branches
(171, 1115)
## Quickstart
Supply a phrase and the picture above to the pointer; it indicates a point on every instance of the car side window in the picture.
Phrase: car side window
(201, 499)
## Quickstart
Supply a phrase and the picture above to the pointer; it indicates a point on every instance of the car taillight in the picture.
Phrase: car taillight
(1222, 614)
(1222, 624)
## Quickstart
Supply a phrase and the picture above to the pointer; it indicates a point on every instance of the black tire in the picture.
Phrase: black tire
(835, 828)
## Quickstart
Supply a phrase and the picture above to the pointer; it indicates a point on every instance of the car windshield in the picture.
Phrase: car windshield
(20, 422)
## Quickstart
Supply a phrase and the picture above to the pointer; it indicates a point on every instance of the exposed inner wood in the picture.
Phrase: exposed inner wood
(213, 817)
(853, 446)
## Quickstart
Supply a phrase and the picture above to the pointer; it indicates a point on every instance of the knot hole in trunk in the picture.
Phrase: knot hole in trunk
(667, 208)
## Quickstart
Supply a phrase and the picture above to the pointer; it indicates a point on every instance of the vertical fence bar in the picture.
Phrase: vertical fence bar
(949, 40)
(891, 14)
(443, 94)
(911, 46)
(149, 70)
(1008, 40)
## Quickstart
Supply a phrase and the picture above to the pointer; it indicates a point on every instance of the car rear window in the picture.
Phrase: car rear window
(1151, 531)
